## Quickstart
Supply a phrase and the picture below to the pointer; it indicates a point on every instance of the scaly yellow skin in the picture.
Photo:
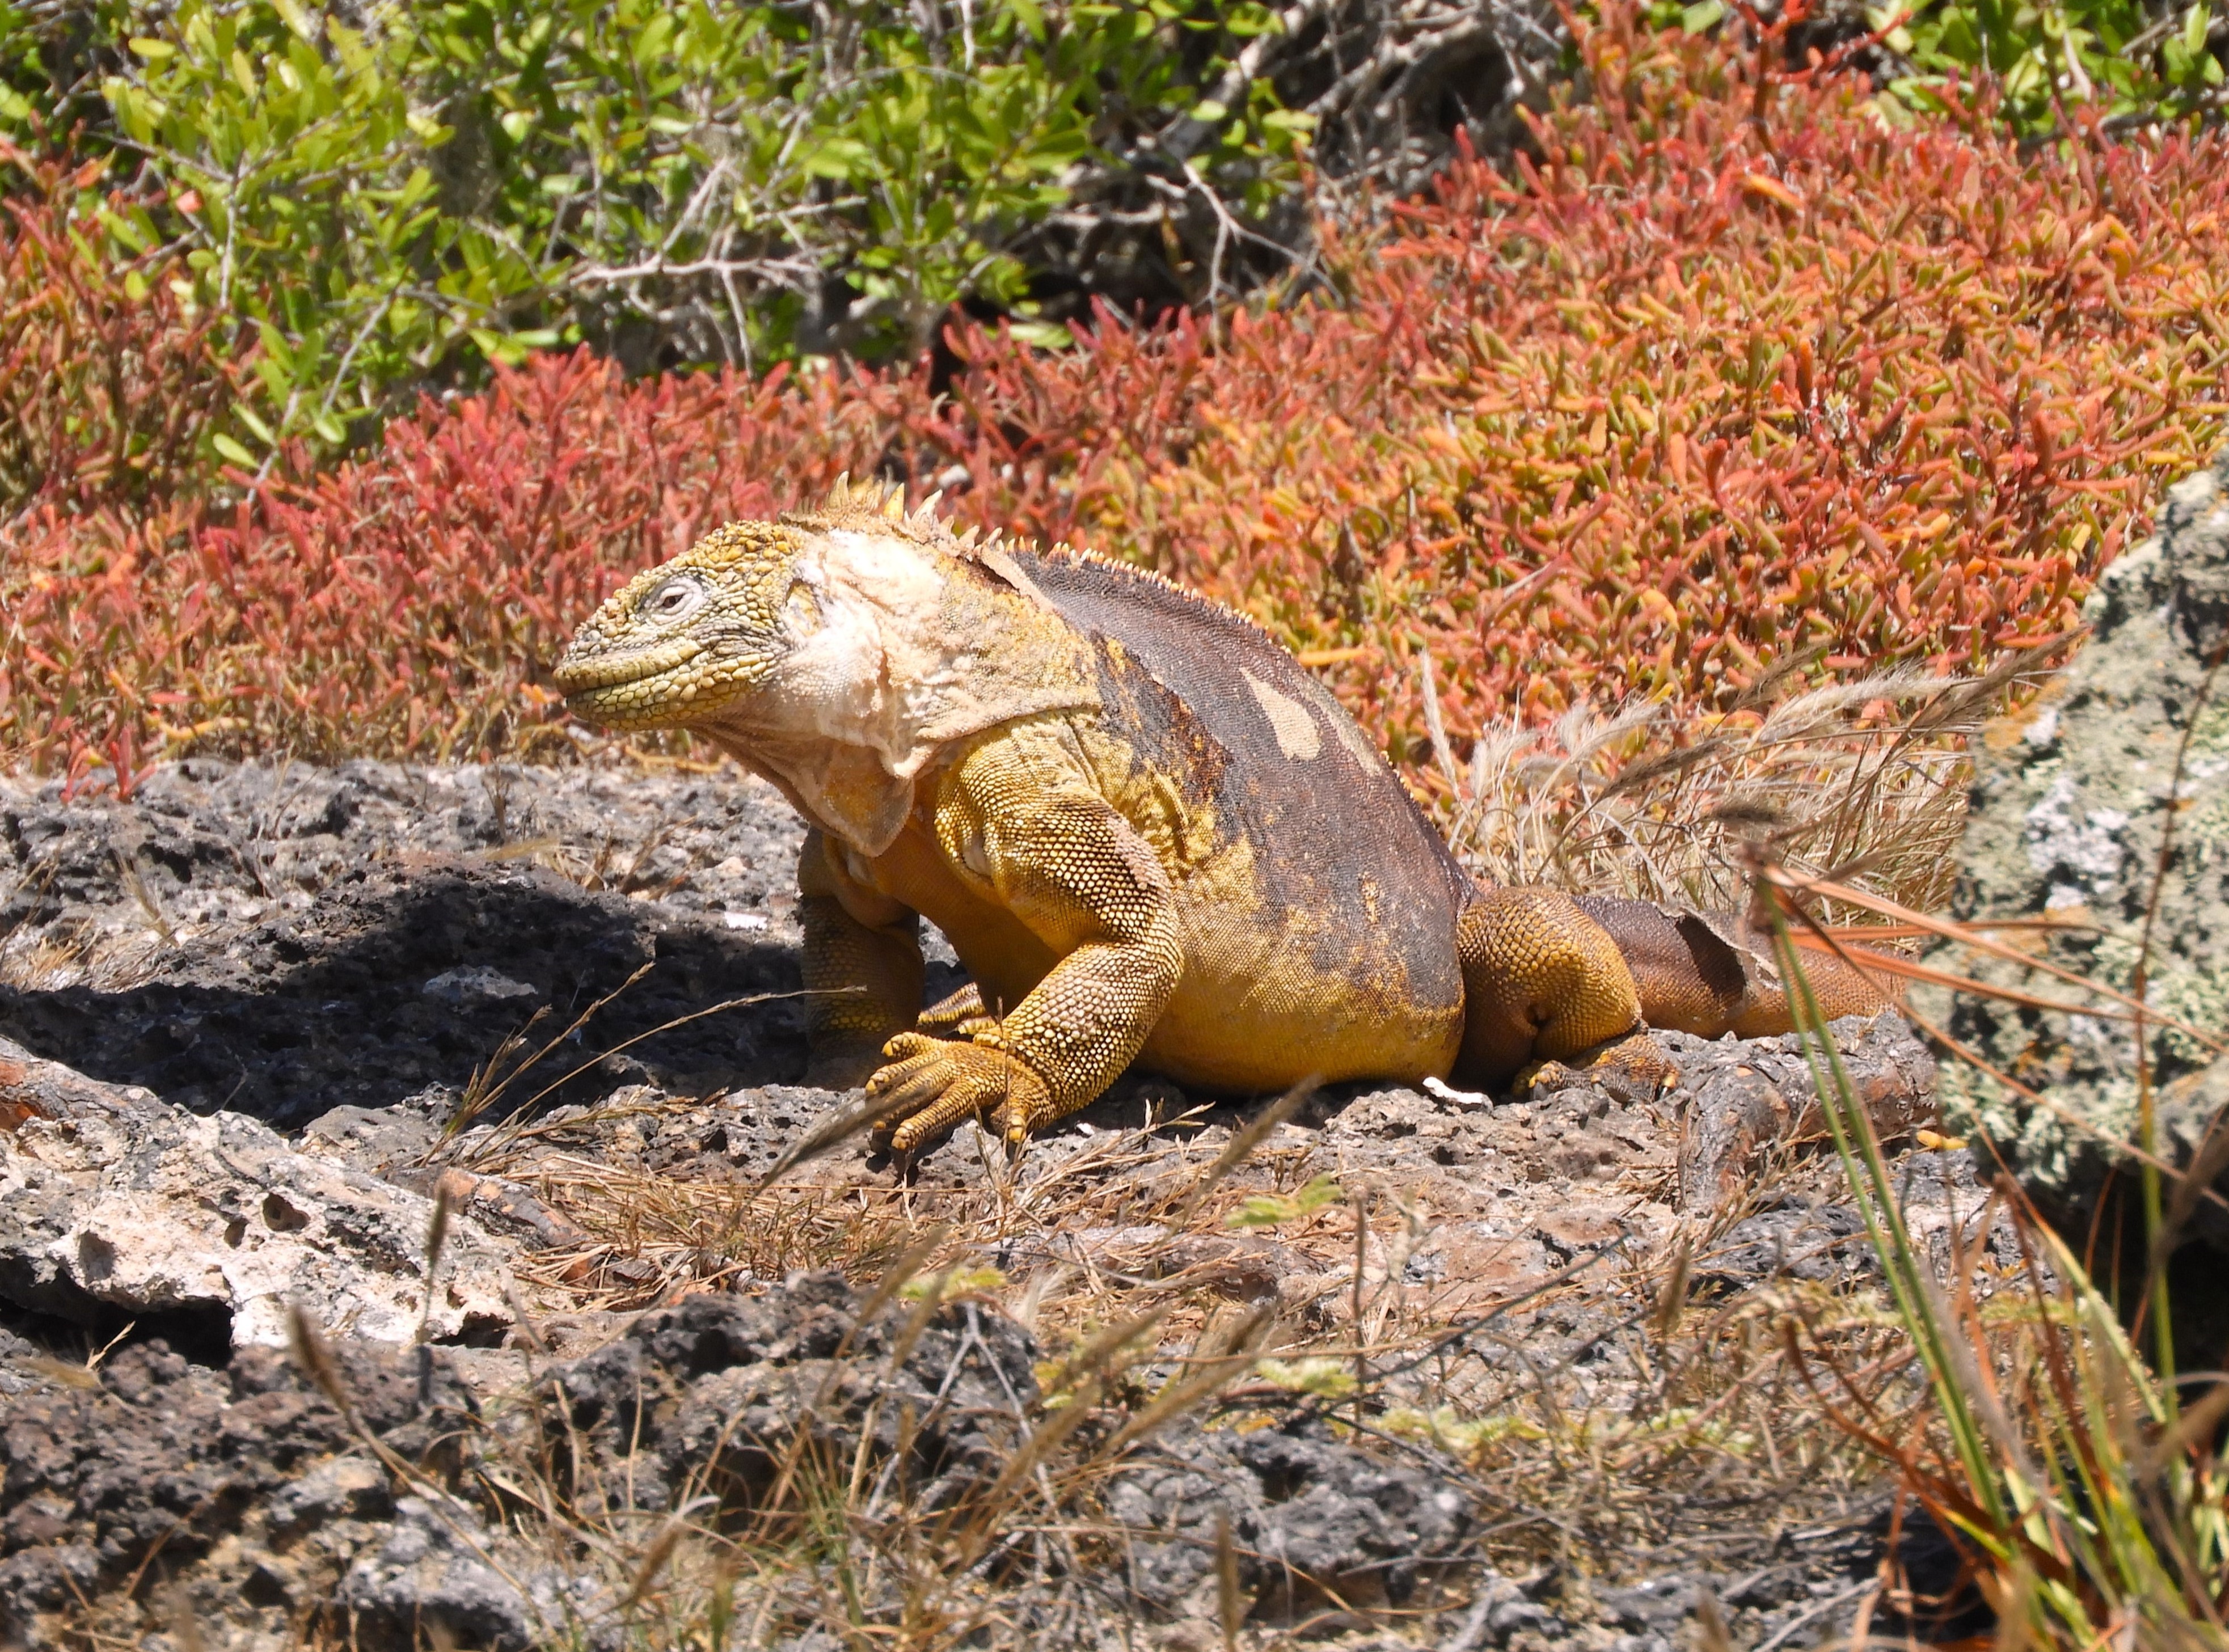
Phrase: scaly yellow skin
(1149, 835)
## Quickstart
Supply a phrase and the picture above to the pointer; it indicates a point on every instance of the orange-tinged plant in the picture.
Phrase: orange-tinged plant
(1732, 370)
(112, 388)
(405, 604)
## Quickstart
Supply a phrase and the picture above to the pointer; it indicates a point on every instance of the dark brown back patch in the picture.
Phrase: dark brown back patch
(1212, 701)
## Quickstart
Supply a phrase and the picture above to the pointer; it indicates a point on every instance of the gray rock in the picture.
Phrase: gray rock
(439, 1574)
(375, 1139)
(476, 983)
(43, 1579)
(711, 1394)
(1656, 1603)
(2069, 800)
(124, 1207)
(346, 1489)
(268, 1508)
(262, 936)
(1500, 1611)
(1743, 1096)
(1310, 1520)
(250, 1487)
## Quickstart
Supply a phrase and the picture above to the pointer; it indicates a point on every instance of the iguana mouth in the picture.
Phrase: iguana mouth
(582, 679)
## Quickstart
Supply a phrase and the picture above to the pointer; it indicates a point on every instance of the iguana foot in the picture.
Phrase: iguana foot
(933, 1083)
(961, 1015)
(1632, 1067)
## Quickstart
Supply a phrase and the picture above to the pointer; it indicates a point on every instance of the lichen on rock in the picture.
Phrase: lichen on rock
(2073, 797)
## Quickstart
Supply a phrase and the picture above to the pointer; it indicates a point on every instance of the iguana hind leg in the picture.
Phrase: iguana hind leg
(861, 964)
(1542, 982)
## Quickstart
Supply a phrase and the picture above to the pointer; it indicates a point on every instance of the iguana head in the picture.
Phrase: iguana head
(836, 651)
(684, 641)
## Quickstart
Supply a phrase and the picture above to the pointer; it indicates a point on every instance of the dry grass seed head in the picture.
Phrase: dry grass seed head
(1652, 806)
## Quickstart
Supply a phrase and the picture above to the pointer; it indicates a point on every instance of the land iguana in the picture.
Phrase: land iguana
(1149, 833)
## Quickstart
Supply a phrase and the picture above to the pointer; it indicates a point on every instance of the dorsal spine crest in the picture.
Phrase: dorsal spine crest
(873, 506)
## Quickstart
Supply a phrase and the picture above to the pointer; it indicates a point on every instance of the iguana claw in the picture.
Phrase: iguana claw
(931, 1084)
(1634, 1067)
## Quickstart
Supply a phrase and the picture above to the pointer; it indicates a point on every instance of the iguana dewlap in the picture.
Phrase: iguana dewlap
(1149, 834)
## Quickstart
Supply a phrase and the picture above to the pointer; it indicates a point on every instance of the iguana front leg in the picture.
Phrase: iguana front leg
(1025, 831)
(862, 963)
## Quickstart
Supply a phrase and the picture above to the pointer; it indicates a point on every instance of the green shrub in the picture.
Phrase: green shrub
(391, 203)
(111, 384)
(2131, 61)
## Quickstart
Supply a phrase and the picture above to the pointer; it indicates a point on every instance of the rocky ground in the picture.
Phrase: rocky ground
(1418, 1370)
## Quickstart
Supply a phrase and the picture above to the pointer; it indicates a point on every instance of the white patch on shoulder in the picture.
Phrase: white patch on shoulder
(1298, 737)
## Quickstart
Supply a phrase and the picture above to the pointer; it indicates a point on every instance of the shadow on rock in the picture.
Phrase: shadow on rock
(402, 977)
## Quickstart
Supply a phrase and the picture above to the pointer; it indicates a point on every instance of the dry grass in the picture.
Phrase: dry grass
(1673, 1428)
(1863, 780)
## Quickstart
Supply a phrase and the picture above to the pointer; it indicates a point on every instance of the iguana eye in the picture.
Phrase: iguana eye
(673, 599)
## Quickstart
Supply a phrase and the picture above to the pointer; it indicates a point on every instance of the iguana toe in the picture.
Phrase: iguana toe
(1632, 1067)
(961, 1014)
(931, 1084)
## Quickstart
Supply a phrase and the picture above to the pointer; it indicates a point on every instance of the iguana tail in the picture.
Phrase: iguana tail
(1548, 976)
(1711, 974)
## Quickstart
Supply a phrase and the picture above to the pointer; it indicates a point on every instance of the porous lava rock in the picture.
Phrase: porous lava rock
(1308, 1519)
(116, 1207)
(2104, 803)
(241, 1496)
(279, 939)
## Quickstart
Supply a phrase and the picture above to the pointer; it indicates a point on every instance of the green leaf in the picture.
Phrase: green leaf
(304, 26)
(837, 157)
(1702, 16)
(959, 1282)
(123, 230)
(1043, 335)
(1266, 1210)
(231, 449)
(1325, 1379)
